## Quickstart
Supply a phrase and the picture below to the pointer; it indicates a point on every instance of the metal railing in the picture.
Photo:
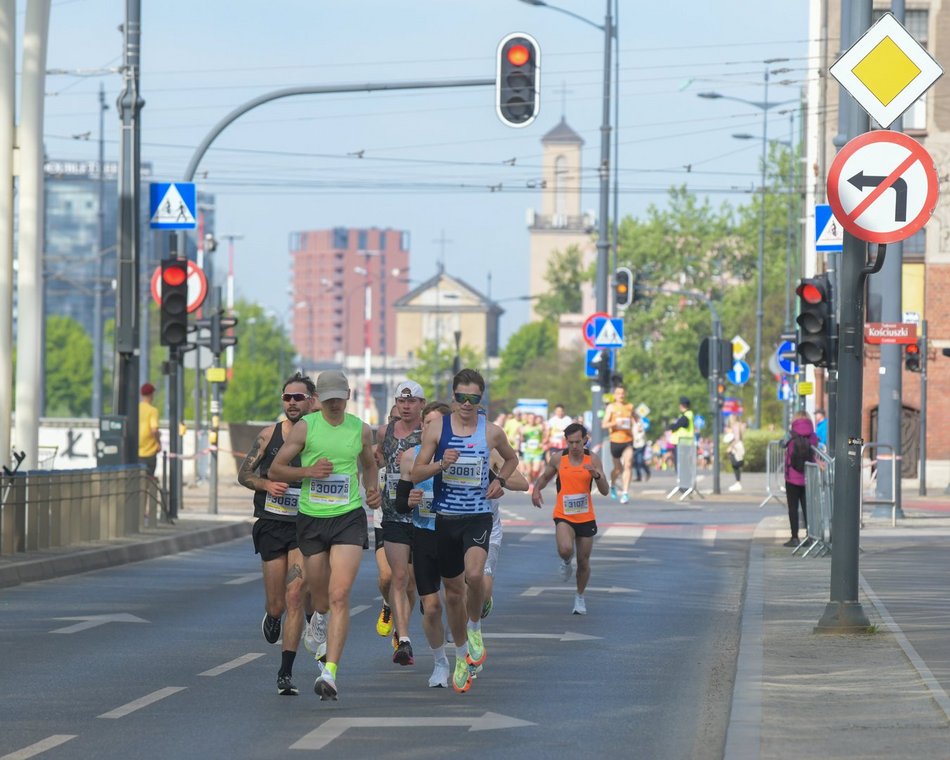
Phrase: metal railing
(774, 473)
(871, 446)
(819, 501)
(686, 466)
(43, 509)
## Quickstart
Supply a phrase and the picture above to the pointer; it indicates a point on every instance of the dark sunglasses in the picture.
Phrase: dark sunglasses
(472, 398)
(294, 397)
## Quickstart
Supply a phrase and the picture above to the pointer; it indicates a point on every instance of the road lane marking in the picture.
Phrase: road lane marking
(92, 621)
(624, 531)
(358, 609)
(237, 662)
(538, 590)
(709, 535)
(247, 578)
(138, 704)
(41, 746)
(335, 727)
(566, 636)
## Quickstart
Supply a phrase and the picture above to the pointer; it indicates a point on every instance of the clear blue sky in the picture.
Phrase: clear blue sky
(428, 160)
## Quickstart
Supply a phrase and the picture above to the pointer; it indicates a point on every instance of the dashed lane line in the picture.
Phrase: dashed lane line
(237, 662)
(50, 742)
(138, 704)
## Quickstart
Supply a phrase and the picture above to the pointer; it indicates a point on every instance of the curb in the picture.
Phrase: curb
(46, 568)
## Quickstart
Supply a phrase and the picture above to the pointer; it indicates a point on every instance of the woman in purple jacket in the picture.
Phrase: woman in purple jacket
(798, 451)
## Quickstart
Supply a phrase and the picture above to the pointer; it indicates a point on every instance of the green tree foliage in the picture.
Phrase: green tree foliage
(530, 343)
(433, 370)
(68, 361)
(565, 276)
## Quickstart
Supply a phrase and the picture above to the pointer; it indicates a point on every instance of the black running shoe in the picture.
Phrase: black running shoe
(270, 627)
(285, 687)
(403, 654)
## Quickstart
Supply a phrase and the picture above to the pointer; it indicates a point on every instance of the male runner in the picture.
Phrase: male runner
(275, 532)
(331, 522)
(574, 522)
(457, 454)
(556, 425)
(394, 439)
(618, 419)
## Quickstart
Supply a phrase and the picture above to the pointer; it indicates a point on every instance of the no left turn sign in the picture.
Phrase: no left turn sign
(882, 186)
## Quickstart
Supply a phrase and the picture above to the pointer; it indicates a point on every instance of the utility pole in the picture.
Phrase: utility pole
(97, 282)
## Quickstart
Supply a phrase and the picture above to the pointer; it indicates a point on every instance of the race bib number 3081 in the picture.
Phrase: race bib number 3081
(465, 473)
(331, 491)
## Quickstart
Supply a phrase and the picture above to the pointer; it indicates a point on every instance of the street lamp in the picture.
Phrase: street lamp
(603, 239)
(764, 105)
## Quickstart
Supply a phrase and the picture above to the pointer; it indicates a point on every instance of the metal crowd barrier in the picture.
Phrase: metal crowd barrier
(819, 501)
(885, 455)
(43, 509)
(686, 466)
(774, 473)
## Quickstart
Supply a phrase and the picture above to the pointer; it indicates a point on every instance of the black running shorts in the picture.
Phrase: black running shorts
(274, 538)
(397, 532)
(456, 535)
(425, 561)
(318, 534)
(581, 530)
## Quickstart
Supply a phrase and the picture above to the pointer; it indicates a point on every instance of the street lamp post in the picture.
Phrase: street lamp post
(603, 235)
(764, 105)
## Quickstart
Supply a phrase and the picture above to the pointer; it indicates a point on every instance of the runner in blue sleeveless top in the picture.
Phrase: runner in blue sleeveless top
(457, 454)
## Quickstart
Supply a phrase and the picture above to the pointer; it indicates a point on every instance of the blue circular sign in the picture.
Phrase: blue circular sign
(739, 374)
(789, 367)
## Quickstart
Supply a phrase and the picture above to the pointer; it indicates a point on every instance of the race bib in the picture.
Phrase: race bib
(425, 506)
(575, 503)
(285, 505)
(465, 473)
(331, 491)
(625, 423)
(391, 480)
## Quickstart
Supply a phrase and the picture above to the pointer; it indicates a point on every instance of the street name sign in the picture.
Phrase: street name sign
(862, 176)
(886, 70)
(876, 333)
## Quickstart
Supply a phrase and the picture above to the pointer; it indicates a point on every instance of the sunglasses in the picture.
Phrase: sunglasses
(294, 397)
(472, 398)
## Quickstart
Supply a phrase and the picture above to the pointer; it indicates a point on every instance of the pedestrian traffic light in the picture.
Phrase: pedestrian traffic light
(817, 333)
(174, 321)
(623, 287)
(912, 357)
(518, 80)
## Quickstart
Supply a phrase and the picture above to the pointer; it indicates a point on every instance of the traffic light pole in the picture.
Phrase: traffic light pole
(174, 440)
(922, 489)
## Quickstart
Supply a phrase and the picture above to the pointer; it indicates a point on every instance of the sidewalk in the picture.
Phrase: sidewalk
(195, 527)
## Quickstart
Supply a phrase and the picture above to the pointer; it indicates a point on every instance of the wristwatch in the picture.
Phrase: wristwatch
(502, 481)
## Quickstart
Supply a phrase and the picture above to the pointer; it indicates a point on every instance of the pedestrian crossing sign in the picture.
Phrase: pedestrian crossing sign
(829, 234)
(608, 333)
(172, 206)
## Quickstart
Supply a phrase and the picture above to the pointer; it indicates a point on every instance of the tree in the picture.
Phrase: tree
(565, 276)
(433, 370)
(68, 359)
(530, 343)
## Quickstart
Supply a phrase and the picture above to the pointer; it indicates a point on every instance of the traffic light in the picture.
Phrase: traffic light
(174, 322)
(224, 339)
(817, 334)
(623, 287)
(912, 357)
(518, 80)
(601, 362)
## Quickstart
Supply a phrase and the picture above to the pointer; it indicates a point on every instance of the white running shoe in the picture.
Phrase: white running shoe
(566, 569)
(325, 687)
(737, 486)
(440, 675)
(580, 608)
(309, 640)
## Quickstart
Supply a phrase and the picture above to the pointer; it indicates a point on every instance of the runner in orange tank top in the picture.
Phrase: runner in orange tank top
(575, 526)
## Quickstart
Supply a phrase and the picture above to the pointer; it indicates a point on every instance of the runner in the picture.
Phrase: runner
(574, 521)
(394, 439)
(275, 532)
(618, 419)
(532, 438)
(457, 454)
(331, 522)
(556, 426)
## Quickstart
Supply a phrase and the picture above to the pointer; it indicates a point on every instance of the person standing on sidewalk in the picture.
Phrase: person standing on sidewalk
(150, 442)
(574, 521)
(798, 445)
(275, 532)
(735, 448)
(457, 454)
(641, 467)
(618, 419)
(331, 521)
(394, 439)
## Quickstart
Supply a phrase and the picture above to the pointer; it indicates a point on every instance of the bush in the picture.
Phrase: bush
(756, 444)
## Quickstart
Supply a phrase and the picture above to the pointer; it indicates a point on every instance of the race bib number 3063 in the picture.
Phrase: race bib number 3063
(285, 505)
(331, 491)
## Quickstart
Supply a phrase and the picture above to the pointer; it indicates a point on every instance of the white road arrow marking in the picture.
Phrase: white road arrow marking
(39, 747)
(566, 636)
(247, 578)
(335, 727)
(92, 621)
(538, 590)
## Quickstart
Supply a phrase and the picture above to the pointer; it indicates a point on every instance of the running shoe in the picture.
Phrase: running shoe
(440, 675)
(580, 608)
(395, 639)
(624, 498)
(613, 492)
(285, 686)
(325, 687)
(384, 623)
(309, 641)
(461, 677)
(566, 569)
(487, 607)
(270, 627)
(476, 648)
(318, 627)
(403, 654)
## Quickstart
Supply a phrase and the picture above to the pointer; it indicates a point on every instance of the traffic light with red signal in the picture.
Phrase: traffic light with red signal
(518, 80)
(912, 357)
(817, 331)
(174, 321)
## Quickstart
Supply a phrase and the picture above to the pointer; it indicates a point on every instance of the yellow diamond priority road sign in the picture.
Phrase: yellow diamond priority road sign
(886, 70)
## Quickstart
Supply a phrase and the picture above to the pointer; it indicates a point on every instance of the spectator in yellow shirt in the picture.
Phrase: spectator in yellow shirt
(149, 438)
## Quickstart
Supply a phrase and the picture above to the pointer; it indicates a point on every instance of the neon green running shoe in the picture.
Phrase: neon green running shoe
(476, 649)
(461, 677)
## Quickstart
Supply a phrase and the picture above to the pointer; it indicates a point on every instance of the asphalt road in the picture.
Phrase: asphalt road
(183, 670)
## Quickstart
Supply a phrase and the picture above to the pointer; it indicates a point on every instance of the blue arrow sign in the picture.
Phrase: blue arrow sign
(784, 391)
(789, 367)
(590, 367)
(608, 333)
(739, 374)
(172, 206)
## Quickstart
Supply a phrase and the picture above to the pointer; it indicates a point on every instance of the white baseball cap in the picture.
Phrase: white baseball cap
(410, 389)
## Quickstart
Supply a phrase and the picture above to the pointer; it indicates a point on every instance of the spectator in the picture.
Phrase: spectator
(735, 449)
(798, 452)
(150, 442)
(821, 428)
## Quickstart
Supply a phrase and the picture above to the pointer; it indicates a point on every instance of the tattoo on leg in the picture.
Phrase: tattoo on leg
(294, 573)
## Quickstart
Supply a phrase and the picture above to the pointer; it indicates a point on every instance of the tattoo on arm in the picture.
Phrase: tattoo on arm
(250, 464)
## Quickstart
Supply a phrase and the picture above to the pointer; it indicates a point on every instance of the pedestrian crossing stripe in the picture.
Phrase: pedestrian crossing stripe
(172, 211)
(608, 335)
